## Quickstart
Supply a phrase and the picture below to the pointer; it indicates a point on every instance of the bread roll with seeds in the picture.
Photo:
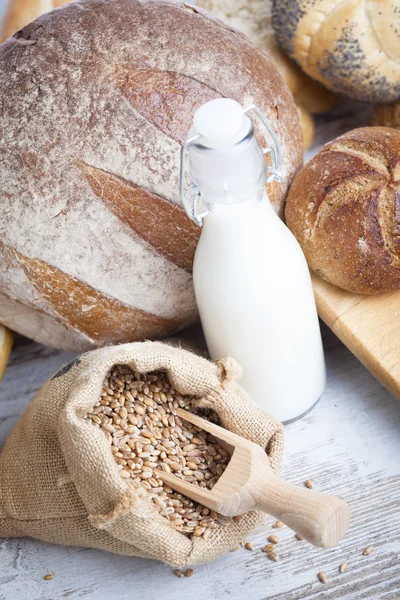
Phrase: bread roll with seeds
(343, 210)
(96, 98)
(19, 13)
(351, 46)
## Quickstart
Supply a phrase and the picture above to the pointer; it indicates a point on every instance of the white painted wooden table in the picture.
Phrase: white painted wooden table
(348, 445)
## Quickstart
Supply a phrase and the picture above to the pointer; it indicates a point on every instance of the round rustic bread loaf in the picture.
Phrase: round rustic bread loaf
(351, 46)
(343, 209)
(96, 98)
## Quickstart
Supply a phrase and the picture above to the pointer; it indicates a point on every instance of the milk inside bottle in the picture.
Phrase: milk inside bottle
(251, 280)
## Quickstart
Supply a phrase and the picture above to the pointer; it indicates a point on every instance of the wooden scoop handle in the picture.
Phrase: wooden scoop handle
(321, 519)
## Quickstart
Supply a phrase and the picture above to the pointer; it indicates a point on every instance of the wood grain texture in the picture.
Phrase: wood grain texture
(348, 445)
(249, 483)
(387, 115)
(368, 325)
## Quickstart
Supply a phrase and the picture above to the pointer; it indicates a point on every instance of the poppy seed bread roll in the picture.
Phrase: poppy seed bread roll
(97, 97)
(351, 46)
(343, 208)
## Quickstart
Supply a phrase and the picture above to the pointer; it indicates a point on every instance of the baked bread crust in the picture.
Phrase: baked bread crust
(343, 209)
(253, 17)
(19, 13)
(96, 98)
(351, 46)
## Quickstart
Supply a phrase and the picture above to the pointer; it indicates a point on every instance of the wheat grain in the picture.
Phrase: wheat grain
(322, 577)
(138, 415)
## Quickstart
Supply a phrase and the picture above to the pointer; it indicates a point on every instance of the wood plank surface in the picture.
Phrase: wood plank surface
(348, 445)
(368, 325)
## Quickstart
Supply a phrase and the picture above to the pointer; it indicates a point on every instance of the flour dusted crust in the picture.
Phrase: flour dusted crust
(343, 209)
(19, 13)
(253, 17)
(351, 46)
(96, 98)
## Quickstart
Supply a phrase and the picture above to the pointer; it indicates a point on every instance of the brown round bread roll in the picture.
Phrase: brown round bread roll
(343, 209)
(96, 99)
(351, 46)
(387, 115)
(19, 13)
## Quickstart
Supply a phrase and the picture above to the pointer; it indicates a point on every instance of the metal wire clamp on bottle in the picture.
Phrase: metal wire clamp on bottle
(274, 171)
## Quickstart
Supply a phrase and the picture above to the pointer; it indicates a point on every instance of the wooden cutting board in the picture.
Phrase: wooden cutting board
(368, 325)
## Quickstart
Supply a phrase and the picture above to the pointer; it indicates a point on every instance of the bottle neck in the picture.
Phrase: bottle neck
(238, 208)
(231, 176)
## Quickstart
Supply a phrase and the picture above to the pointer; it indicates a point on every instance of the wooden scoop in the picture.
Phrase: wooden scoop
(248, 483)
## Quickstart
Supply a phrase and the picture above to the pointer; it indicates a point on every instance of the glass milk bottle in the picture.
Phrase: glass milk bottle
(251, 279)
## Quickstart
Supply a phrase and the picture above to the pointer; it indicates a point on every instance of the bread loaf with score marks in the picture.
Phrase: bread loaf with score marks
(97, 98)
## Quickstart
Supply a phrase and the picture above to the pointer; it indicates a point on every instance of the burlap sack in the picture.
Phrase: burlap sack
(59, 481)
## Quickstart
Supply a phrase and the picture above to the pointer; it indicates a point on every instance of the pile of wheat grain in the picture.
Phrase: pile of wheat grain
(138, 415)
